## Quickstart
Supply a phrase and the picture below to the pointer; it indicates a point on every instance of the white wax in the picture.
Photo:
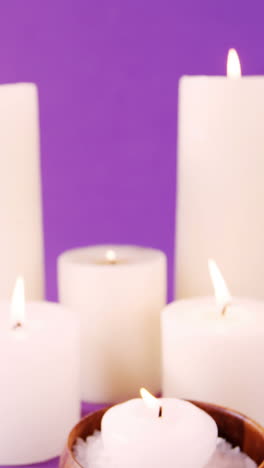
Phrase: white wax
(215, 358)
(21, 243)
(40, 397)
(91, 453)
(119, 306)
(220, 184)
(184, 437)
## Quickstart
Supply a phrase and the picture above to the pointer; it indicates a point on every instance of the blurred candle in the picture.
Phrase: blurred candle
(220, 181)
(213, 350)
(21, 243)
(118, 292)
(40, 397)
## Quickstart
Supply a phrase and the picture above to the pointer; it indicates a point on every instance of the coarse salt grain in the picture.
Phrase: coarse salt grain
(90, 453)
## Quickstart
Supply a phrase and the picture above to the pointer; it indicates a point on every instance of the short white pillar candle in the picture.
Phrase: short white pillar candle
(118, 292)
(40, 397)
(214, 351)
(168, 433)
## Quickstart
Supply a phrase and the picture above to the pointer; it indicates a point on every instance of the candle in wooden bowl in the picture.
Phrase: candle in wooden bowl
(232, 426)
(158, 432)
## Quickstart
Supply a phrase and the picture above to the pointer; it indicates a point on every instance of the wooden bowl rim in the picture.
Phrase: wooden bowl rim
(200, 404)
(235, 413)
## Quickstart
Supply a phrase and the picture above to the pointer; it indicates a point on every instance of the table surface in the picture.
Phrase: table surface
(86, 409)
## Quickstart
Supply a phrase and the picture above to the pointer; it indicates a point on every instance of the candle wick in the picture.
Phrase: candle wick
(160, 412)
(224, 310)
(112, 262)
(17, 325)
(111, 257)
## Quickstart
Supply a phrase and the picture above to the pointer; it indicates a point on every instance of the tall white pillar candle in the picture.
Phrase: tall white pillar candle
(118, 292)
(220, 183)
(171, 433)
(40, 395)
(214, 352)
(21, 249)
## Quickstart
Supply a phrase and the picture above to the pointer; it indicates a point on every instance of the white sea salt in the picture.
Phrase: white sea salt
(90, 453)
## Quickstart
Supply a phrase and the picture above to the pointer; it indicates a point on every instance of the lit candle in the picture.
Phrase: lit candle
(220, 181)
(111, 257)
(233, 65)
(213, 350)
(39, 361)
(148, 432)
(118, 292)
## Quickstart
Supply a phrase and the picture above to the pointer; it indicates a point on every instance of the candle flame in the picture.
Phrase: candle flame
(18, 304)
(233, 65)
(111, 256)
(222, 294)
(150, 401)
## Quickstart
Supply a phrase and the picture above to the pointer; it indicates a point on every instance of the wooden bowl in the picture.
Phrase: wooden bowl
(234, 427)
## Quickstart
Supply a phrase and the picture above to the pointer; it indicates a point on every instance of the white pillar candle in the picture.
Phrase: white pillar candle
(214, 351)
(40, 398)
(139, 436)
(118, 293)
(21, 249)
(220, 182)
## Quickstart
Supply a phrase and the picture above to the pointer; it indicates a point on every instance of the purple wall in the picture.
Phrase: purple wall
(107, 73)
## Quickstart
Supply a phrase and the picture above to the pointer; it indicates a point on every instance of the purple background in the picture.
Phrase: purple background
(107, 73)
